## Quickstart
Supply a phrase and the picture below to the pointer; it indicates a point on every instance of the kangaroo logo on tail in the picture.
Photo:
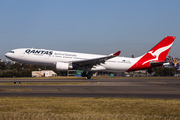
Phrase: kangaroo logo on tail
(157, 54)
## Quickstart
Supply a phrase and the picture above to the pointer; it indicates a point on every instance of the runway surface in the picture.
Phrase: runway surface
(125, 88)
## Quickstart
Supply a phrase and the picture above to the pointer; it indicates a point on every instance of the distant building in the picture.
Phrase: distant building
(9, 62)
(43, 73)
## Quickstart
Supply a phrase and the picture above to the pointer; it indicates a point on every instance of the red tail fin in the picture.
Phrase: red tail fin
(157, 54)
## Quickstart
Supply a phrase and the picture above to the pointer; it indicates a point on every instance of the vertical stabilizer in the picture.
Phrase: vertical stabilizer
(157, 54)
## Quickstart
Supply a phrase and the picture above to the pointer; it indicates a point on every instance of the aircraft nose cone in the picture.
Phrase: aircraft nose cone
(6, 55)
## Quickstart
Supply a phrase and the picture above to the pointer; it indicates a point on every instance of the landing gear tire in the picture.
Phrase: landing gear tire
(84, 74)
(89, 75)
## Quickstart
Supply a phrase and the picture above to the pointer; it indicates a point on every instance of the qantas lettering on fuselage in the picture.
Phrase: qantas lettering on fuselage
(39, 52)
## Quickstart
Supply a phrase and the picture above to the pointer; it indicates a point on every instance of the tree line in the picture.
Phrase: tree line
(25, 70)
(162, 71)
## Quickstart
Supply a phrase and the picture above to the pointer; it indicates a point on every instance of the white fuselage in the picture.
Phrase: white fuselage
(51, 57)
(64, 61)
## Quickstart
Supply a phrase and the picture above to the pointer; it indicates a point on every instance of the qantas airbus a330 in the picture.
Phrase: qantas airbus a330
(89, 63)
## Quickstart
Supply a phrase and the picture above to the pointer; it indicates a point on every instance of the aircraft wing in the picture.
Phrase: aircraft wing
(95, 61)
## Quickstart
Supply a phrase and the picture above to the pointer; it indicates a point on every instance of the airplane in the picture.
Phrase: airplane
(173, 62)
(90, 63)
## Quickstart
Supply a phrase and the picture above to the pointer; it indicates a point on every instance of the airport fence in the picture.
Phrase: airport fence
(51, 116)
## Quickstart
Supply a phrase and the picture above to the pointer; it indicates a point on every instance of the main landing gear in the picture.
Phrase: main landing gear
(87, 74)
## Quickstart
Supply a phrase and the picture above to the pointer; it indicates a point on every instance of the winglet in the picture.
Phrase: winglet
(117, 53)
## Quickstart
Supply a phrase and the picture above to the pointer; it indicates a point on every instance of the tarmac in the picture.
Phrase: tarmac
(163, 88)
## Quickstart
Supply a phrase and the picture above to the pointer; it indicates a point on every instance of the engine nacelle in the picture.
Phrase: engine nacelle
(60, 66)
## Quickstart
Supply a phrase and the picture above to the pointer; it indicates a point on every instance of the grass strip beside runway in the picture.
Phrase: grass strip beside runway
(82, 78)
(47, 83)
(160, 107)
(15, 90)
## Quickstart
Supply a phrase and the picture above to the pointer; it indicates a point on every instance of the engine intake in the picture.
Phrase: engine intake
(60, 66)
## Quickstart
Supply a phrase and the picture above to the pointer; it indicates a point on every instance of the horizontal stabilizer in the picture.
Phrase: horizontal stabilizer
(154, 64)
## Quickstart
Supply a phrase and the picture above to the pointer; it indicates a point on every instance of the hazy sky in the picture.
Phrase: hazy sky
(89, 26)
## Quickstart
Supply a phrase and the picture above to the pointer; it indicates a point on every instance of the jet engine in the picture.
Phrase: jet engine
(60, 66)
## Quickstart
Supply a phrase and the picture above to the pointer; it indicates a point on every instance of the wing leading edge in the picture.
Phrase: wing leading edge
(95, 61)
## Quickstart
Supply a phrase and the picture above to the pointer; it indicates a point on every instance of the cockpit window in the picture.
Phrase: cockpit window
(11, 51)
